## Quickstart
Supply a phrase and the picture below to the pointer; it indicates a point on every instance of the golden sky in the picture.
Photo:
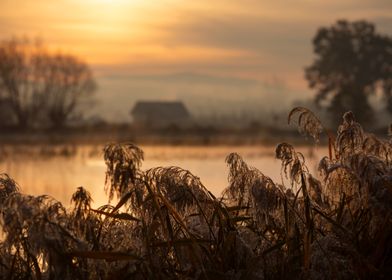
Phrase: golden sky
(249, 40)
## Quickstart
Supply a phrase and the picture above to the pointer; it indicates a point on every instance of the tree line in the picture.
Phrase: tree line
(352, 62)
(39, 88)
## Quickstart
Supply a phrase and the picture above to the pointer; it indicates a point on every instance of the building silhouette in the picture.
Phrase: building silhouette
(160, 114)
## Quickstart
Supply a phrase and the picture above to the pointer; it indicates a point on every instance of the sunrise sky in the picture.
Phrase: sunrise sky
(214, 55)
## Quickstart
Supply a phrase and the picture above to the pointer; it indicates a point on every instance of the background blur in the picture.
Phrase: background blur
(180, 78)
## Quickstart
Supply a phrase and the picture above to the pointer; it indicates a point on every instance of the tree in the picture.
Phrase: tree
(352, 62)
(71, 84)
(42, 88)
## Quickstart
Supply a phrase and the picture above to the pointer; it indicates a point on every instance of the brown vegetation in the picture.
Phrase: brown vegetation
(167, 225)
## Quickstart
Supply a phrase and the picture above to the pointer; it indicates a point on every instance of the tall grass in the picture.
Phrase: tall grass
(167, 225)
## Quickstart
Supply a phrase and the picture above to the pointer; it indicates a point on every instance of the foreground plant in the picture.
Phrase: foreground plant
(167, 225)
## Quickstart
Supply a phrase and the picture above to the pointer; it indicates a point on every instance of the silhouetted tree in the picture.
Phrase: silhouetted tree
(42, 87)
(71, 84)
(352, 62)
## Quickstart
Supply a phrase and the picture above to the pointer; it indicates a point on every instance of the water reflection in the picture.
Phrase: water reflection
(58, 172)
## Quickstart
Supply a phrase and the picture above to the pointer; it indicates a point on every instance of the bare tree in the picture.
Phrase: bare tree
(71, 84)
(40, 86)
(18, 64)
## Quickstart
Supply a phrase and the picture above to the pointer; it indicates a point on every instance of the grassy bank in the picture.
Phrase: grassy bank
(165, 136)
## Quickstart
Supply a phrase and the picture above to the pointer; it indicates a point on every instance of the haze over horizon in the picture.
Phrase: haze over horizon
(222, 55)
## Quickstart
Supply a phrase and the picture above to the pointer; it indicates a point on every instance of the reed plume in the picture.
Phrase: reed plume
(166, 225)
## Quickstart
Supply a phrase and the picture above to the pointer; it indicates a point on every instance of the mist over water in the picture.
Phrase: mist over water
(58, 175)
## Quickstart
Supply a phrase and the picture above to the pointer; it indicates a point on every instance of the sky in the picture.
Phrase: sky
(219, 57)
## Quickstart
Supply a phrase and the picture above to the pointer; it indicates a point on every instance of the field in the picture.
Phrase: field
(163, 223)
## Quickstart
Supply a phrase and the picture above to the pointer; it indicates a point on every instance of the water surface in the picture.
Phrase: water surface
(59, 172)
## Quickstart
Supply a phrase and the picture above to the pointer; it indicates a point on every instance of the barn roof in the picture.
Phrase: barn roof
(161, 109)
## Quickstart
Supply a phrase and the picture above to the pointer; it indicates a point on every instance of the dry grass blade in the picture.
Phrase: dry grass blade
(293, 163)
(7, 187)
(123, 162)
(350, 136)
(377, 147)
(82, 201)
(179, 186)
(120, 216)
(307, 122)
(241, 179)
(108, 256)
(181, 242)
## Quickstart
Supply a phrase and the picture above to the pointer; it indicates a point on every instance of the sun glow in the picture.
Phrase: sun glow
(116, 2)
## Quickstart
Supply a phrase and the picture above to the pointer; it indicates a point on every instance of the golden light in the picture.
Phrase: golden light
(116, 2)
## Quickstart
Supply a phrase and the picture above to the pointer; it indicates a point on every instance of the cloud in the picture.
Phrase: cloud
(218, 54)
(260, 36)
(269, 29)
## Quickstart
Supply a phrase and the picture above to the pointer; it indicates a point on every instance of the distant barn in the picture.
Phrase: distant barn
(160, 114)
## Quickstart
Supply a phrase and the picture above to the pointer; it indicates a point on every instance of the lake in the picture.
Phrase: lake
(59, 171)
